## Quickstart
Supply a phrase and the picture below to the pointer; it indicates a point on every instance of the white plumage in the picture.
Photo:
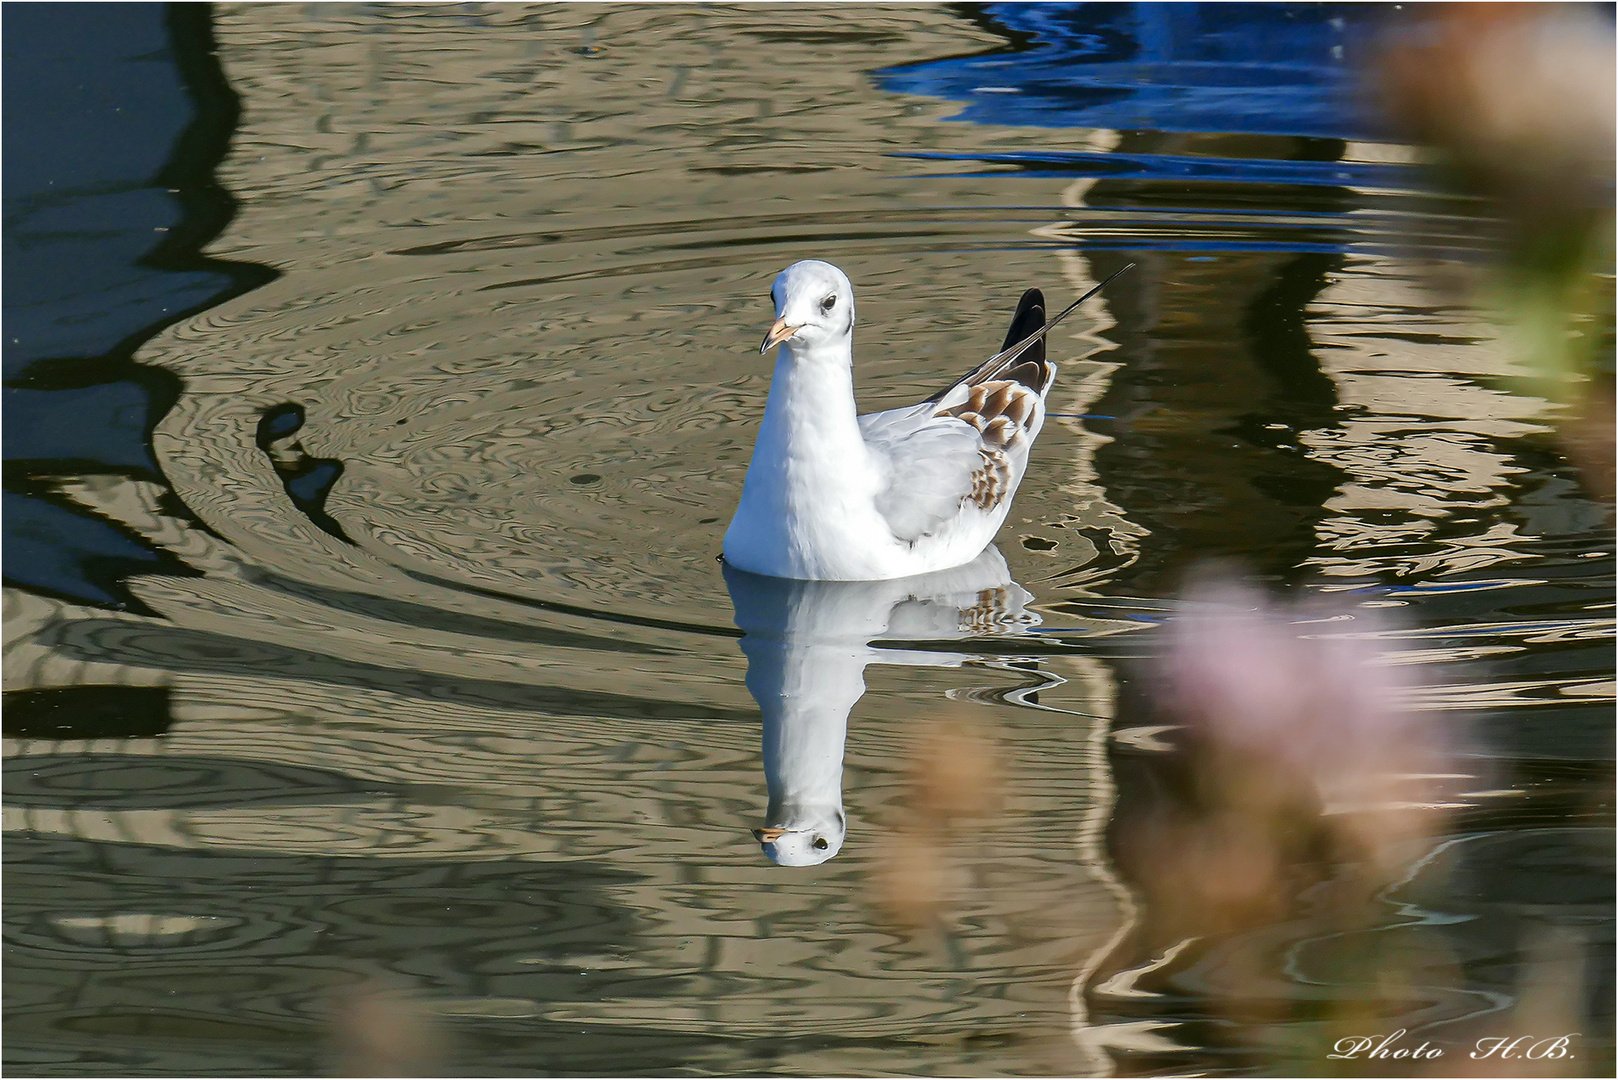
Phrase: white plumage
(834, 496)
(808, 644)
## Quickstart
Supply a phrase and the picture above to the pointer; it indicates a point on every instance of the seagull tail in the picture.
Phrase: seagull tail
(1030, 317)
(1030, 368)
(1029, 348)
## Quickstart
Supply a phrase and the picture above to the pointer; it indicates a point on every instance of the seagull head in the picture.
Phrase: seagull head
(814, 306)
(804, 844)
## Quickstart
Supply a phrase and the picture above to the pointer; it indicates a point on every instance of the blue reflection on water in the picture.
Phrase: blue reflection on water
(1276, 69)
(1124, 166)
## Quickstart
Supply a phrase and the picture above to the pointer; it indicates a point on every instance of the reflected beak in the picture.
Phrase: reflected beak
(778, 333)
(774, 832)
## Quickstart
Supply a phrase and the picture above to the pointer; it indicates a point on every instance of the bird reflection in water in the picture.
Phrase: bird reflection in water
(807, 644)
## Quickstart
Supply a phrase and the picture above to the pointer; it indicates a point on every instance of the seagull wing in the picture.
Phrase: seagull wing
(926, 462)
(967, 443)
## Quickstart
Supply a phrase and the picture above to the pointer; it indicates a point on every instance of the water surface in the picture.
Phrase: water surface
(419, 663)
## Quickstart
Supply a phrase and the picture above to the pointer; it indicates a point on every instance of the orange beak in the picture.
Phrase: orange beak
(778, 333)
(774, 832)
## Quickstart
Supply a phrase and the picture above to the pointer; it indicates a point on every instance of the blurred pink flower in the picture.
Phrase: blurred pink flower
(1298, 723)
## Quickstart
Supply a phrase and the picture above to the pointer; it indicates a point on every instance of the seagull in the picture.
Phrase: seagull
(834, 496)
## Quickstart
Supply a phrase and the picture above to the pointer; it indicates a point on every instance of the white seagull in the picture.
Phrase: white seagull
(833, 496)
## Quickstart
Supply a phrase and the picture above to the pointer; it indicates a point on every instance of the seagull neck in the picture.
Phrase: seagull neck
(805, 691)
(812, 396)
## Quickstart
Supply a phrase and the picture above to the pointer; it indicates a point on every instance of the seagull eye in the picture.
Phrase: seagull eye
(820, 841)
(830, 302)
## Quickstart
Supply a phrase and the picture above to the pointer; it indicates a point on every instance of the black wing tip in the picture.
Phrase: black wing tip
(1029, 318)
(1031, 304)
(1033, 300)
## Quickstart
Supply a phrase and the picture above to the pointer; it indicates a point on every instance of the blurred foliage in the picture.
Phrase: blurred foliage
(1515, 102)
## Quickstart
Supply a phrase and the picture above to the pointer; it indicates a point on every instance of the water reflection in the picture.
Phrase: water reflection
(807, 645)
(499, 744)
(106, 210)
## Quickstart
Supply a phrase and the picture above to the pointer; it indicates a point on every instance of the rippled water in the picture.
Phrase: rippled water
(438, 676)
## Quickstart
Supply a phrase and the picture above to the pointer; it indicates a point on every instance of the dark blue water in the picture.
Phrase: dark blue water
(1288, 69)
(117, 116)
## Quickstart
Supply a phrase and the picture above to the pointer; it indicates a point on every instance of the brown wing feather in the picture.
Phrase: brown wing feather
(999, 410)
(1002, 396)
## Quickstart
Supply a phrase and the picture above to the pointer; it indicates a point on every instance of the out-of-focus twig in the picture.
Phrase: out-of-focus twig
(379, 1030)
(954, 778)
